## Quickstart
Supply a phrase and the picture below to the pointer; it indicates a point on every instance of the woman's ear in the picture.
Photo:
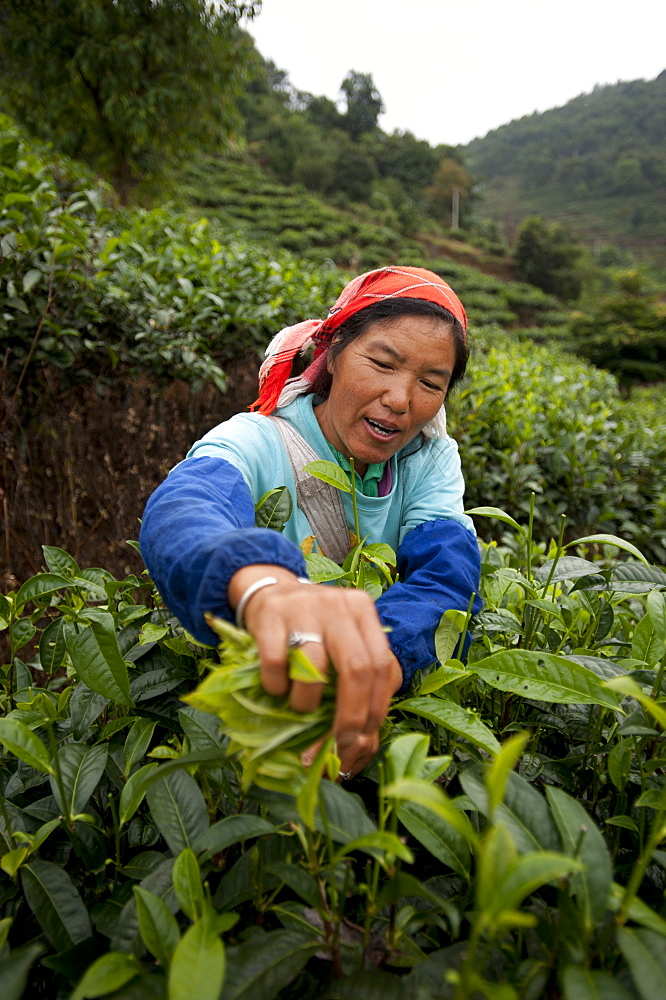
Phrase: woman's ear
(330, 360)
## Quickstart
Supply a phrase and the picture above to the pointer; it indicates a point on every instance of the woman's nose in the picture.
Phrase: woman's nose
(396, 395)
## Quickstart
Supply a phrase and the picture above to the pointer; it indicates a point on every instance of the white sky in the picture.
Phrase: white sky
(451, 70)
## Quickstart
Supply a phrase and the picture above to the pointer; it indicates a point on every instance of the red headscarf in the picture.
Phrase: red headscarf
(365, 290)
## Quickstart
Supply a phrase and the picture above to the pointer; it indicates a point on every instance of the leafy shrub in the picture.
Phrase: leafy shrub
(530, 419)
(133, 858)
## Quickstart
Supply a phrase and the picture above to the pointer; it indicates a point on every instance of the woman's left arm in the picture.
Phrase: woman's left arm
(439, 569)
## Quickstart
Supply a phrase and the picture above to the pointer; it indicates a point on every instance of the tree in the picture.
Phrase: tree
(547, 256)
(364, 103)
(130, 85)
(450, 176)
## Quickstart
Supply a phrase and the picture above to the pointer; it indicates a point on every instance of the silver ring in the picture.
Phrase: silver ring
(296, 639)
(345, 775)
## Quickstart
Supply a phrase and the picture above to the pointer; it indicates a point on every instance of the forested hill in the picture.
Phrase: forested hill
(598, 163)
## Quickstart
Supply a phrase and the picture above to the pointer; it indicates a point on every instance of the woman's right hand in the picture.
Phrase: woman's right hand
(353, 643)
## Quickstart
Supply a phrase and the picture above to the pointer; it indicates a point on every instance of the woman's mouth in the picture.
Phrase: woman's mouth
(382, 431)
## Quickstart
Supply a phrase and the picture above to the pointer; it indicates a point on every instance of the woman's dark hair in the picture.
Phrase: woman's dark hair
(385, 312)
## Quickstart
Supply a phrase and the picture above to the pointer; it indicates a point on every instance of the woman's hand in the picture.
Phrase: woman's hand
(353, 641)
(354, 756)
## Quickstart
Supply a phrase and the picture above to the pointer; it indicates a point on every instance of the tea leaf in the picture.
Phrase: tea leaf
(157, 925)
(197, 966)
(97, 660)
(179, 810)
(274, 509)
(40, 586)
(56, 904)
(590, 984)
(187, 884)
(106, 975)
(603, 539)
(543, 677)
(438, 836)
(14, 971)
(461, 721)
(381, 841)
(231, 830)
(261, 971)
(500, 515)
(581, 838)
(448, 632)
(25, 745)
(646, 957)
(81, 769)
(331, 473)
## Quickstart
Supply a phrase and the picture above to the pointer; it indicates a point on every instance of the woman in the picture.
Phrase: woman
(386, 357)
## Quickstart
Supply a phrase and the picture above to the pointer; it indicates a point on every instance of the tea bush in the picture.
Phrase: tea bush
(531, 418)
(506, 842)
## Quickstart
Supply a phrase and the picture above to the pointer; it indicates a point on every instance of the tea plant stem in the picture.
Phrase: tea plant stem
(530, 527)
(116, 837)
(5, 818)
(357, 530)
(639, 869)
(58, 775)
(657, 684)
(468, 615)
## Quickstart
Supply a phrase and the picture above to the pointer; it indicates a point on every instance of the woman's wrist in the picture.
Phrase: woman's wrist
(249, 580)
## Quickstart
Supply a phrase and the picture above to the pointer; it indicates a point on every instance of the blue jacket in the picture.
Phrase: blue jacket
(198, 528)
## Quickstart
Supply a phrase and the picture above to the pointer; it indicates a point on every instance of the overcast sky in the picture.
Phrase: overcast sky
(451, 70)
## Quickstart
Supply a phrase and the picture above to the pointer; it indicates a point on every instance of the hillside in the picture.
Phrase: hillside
(598, 164)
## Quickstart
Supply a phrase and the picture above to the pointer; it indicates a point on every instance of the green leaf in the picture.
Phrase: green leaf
(524, 812)
(85, 708)
(197, 966)
(60, 562)
(448, 632)
(500, 515)
(81, 769)
(581, 838)
(619, 763)
(645, 643)
(52, 646)
(526, 874)
(656, 607)
(321, 569)
(498, 772)
(646, 957)
(461, 721)
(106, 975)
(433, 798)
(30, 279)
(231, 830)
(628, 686)
(380, 841)
(260, 968)
(588, 984)
(331, 473)
(274, 509)
(98, 662)
(187, 884)
(25, 745)
(157, 925)
(543, 677)
(438, 837)
(137, 742)
(453, 670)
(178, 809)
(603, 539)
(54, 900)
(40, 586)
(406, 755)
(14, 971)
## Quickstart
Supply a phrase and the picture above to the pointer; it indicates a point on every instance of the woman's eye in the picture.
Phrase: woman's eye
(431, 385)
(381, 364)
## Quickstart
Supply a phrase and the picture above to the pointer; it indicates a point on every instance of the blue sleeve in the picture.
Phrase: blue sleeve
(439, 568)
(197, 531)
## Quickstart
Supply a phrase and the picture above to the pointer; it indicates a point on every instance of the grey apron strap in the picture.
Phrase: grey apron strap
(320, 502)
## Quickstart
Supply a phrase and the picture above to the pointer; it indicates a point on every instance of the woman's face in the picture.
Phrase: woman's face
(387, 385)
